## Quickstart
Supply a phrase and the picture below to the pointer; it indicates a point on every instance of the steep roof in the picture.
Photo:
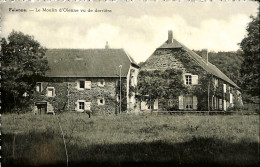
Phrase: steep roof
(87, 62)
(207, 66)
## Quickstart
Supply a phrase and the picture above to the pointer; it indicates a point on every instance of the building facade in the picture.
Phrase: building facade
(204, 87)
(87, 79)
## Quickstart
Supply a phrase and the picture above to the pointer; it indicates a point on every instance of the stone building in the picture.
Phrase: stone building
(87, 79)
(206, 87)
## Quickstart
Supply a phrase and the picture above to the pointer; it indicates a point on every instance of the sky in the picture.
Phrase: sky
(139, 28)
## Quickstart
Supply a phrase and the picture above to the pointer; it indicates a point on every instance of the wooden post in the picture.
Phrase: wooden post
(13, 147)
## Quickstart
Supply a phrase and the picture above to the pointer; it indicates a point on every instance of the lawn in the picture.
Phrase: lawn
(130, 139)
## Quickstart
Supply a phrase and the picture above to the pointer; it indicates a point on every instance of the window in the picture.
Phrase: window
(188, 102)
(39, 87)
(101, 101)
(164, 65)
(50, 91)
(81, 84)
(82, 105)
(101, 83)
(191, 79)
(224, 88)
(88, 84)
(188, 79)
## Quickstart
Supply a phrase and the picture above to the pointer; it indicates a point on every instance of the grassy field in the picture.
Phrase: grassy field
(129, 139)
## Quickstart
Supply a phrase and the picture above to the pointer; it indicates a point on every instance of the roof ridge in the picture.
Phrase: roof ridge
(84, 49)
(229, 80)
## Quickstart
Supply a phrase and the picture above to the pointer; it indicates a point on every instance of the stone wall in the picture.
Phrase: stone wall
(163, 59)
(59, 101)
(67, 94)
(106, 92)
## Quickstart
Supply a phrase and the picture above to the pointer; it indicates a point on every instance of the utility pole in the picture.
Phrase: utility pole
(120, 67)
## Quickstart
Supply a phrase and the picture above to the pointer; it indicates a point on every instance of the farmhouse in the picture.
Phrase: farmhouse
(87, 79)
(201, 86)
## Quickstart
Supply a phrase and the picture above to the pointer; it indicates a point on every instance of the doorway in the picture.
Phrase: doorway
(42, 107)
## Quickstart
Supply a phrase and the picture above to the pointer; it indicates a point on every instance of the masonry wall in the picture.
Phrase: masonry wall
(108, 93)
(163, 59)
(67, 94)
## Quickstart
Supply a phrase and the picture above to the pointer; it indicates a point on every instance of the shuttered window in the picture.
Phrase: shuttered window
(181, 102)
(50, 91)
(155, 106)
(87, 105)
(81, 105)
(39, 87)
(194, 79)
(188, 79)
(194, 102)
(188, 102)
(88, 84)
(81, 84)
(224, 88)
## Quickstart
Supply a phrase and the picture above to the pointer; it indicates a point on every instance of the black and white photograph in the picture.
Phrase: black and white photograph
(114, 83)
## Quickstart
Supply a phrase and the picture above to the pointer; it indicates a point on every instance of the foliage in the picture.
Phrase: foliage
(251, 54)
(160, 84)
(23, 62)
(228, 62)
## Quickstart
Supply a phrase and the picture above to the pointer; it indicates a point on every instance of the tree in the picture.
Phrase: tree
(250, 66)
(23, 63)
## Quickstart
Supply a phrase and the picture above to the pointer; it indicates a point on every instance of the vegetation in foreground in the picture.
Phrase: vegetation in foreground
(129, 139)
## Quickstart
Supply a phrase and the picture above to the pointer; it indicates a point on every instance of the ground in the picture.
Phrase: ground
(148, 139)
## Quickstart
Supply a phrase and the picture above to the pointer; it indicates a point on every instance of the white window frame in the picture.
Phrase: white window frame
(164, 65)
(40, 88)
(78, 84)
(78, 105)
(194, 79)
(188, 79)
(53, 91)
(81, 105)
(101, 83)
(86, 84)
(224, 88)
(80, 81)
(99, 103)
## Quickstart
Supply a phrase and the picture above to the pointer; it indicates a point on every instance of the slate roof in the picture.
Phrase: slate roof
(207, 66)
(87, 62)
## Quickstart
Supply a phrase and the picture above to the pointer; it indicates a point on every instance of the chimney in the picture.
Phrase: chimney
(204, 55)
(107, 46)
(170, 37)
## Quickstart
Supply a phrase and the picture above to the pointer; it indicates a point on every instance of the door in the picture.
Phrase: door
(42, 108)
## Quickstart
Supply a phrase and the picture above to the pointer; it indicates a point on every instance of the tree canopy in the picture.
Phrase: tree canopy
(251, 54)
(23, 63)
